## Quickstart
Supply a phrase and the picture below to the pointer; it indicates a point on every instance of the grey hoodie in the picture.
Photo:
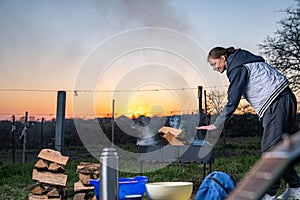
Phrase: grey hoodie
(251, 77)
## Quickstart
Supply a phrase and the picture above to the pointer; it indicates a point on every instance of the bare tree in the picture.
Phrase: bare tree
(216, 101)
(283, 49)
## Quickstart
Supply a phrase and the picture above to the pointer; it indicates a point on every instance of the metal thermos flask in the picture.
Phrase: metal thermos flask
(109, 174)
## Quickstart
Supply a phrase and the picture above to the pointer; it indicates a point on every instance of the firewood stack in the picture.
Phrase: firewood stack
(49, 174)
(86, 172)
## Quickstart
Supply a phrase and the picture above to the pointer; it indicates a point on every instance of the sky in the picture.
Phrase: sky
(149, 56)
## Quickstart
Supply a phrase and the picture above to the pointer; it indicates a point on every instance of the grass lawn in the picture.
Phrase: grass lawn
(240, 154)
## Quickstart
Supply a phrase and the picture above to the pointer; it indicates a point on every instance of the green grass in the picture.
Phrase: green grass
(240, 155)
(15, 181)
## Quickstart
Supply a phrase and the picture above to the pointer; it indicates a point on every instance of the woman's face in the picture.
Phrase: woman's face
(218, 64)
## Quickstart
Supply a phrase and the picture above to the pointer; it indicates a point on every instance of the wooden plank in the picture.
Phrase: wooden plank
(175, 132)
(37, 197)
(50, 178)
(172, 140)
(79, 187)
(41, 197)
(53, 156)
(88, 168)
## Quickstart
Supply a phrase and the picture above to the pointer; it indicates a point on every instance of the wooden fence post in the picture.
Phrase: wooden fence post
(60, 118)
(24, 134)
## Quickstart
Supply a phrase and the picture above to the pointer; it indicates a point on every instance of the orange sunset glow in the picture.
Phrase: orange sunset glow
(152, 103)
(38, 104)
(150, 100)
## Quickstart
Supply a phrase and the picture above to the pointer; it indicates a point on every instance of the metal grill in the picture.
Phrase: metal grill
(178, 154)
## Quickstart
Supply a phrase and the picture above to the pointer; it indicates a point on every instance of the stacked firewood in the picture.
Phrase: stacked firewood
(49, 176)
(86, 172)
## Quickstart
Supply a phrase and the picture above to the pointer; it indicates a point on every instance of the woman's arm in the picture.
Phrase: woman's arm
(238, 80)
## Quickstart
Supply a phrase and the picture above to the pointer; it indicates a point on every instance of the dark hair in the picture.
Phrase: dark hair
(217, 52)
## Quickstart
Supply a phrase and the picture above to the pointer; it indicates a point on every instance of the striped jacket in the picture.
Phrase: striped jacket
(263, 86)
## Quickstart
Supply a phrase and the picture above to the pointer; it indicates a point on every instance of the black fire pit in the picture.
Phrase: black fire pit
(195, 149)
(177, 154)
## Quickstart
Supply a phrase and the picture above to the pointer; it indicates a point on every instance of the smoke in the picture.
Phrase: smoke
(52, 33)
(121, 14)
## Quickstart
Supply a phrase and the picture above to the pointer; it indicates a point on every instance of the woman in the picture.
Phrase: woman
(269, 94)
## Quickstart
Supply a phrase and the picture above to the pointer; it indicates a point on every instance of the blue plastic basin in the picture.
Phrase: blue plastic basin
(128, 187)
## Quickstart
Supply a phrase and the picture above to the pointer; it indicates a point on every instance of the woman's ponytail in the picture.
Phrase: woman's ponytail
(217, 52)
(230, 50)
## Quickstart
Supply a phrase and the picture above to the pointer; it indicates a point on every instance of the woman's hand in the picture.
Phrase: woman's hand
(209, 128)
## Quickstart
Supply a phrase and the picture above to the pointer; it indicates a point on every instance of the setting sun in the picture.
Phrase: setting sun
(149, 102)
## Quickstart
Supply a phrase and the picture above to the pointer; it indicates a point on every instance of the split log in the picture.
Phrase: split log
(172, 135)
(41, 197)
(37, 197)
(39, 189)
(79, 196)
(79, 187)
(175, 132)
(50, 178)
(53, 193)
(41, 164)
(53, 156)
(94, 176)
(54, 167)
(88, 168)
(85, 179)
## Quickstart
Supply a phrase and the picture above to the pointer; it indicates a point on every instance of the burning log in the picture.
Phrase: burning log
(173, 136)
(172, 140)
(173, 131)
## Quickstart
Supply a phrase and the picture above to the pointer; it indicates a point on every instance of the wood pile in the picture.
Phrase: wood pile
(86, 172)
(173, 136)
(49, 176)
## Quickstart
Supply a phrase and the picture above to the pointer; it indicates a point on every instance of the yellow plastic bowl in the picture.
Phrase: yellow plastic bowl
(169, 190)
